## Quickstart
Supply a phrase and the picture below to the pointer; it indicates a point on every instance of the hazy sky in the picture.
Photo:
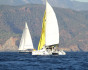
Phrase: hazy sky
(82, 0)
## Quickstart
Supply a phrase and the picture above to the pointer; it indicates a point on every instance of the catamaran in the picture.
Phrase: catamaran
(26, 44)
(49, 40)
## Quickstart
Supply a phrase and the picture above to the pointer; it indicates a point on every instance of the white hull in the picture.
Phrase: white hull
(43, 51)
(26, 51)
(46, 53)
(62, 53)
(40, 53)
(59, 52)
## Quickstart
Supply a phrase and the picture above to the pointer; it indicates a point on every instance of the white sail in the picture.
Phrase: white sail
(52, 30)
(26, 41)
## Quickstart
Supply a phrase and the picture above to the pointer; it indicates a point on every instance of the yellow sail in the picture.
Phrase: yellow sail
(42, 38)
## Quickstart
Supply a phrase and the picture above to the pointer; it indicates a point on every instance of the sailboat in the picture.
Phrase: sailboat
(49, 40)
(26, 44)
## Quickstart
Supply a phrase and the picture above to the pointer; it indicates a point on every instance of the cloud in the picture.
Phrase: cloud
(26, 1)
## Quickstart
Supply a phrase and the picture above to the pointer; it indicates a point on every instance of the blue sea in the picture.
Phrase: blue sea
(22, 61)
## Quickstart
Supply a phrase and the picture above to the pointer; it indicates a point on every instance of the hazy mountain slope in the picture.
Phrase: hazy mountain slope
(73, 25)
(20, 2)
(57, 3)
(75, 5)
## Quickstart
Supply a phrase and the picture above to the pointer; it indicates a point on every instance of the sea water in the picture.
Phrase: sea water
(24, 61)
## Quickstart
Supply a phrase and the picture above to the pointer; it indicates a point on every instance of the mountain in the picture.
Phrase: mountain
(20, 2)
(75, 5)
(73, 26)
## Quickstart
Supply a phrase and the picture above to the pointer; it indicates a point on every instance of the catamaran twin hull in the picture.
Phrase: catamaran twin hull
(48, 51)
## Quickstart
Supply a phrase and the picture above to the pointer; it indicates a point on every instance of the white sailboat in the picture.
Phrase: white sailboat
(49, 39)
(26, 44)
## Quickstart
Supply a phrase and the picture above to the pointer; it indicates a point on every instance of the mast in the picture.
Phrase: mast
(46, 22)
(46, 2)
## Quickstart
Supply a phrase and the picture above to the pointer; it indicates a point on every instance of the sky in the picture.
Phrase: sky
(81, 0)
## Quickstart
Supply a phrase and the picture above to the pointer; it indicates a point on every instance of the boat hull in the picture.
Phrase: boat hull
(25, 51)
(40, 53)
(58, 53)
(45, 51)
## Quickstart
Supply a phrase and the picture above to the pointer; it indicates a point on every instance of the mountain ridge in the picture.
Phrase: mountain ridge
(73, 25)
(75, 5)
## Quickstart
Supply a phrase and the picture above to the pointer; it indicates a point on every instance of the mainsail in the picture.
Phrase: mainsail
(26, 41)
(50, 30)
